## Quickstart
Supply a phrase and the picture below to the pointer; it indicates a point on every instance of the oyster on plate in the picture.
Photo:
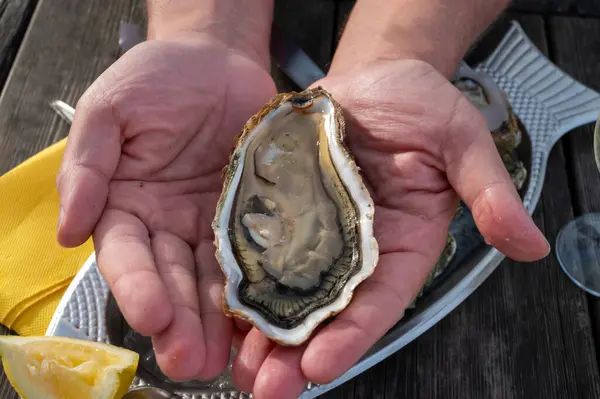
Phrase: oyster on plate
(294, 223)
(493, 103)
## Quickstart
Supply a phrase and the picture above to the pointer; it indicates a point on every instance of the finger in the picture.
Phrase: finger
(89, 161)
(254, 350)
(242, 324)
(125, 259)
(237, 338)
(476, 172)
(180, 349)
(379, 302)
(217, 327)
(280, 376)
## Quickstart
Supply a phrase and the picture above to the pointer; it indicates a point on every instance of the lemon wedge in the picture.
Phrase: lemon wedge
(66, 368)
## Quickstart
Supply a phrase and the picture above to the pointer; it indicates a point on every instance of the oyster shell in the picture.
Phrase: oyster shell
(294, 224)
(493, 103)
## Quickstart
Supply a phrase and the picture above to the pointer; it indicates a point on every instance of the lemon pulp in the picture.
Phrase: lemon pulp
(67, 368)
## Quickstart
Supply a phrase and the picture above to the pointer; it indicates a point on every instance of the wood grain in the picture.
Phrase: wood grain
(14, 19)
(56, 61)
(543, 6)
(588, 7)
(583, 8)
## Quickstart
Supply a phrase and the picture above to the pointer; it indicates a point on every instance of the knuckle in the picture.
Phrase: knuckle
(390, 292)
(95, 97)
(482, 209)
(465, 115)
(59, 179)
(103, 93)
(129, 239)
(364, 332)
(93, 171)
(176, 270)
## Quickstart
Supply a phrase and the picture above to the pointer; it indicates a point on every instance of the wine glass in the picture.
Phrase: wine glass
(578, 242)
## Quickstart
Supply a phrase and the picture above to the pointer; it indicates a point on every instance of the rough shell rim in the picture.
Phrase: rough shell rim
(300, 334)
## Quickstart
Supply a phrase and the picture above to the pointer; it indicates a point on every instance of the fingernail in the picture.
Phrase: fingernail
(548, 246)
(523, 240)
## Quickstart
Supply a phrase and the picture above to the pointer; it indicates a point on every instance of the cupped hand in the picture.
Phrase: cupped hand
(421, 146)
(142, 174)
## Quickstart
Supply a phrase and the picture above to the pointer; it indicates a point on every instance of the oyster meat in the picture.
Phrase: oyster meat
(294, 224)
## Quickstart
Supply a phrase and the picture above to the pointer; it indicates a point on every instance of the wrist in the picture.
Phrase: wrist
(438, 32)
(240, 25)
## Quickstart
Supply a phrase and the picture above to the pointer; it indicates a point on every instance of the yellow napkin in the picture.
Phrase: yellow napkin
(34, 270)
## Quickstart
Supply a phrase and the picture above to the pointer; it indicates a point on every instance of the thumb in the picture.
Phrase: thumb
(477, 173)
(89, 161)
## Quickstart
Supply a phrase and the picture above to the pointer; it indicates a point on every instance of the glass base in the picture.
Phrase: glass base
(578, 251)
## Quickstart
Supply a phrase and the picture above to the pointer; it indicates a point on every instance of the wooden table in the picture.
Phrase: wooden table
(527, 332)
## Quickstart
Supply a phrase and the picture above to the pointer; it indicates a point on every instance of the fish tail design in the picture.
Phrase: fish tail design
(548, 101)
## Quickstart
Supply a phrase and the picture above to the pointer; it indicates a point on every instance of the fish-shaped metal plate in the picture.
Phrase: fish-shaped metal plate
(548, 102)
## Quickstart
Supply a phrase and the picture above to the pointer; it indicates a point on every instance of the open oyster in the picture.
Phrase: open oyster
(492, 102)
(294, 224)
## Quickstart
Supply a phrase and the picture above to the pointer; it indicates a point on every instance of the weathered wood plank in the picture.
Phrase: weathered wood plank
(14, 19)
(588, 7)
(57, 61)
(542, 6)
(576, 46)
(557, 7)
(525, 333)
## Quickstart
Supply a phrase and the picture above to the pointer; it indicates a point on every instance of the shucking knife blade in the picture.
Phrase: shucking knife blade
(64, 110)
(292, 60)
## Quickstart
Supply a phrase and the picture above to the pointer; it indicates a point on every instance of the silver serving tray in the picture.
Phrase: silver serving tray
(548, 102)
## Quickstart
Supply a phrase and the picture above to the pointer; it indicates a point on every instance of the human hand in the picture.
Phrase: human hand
(142, 172)
(420, 145)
